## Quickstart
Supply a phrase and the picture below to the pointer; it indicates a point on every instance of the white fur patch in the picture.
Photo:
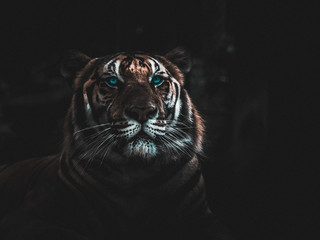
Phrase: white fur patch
(142, 148)
(153, 130)
(88, 109)
(189, 103)
(130, 131)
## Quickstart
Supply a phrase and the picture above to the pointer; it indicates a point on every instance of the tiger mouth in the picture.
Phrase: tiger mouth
(131, 130)
(140, 135)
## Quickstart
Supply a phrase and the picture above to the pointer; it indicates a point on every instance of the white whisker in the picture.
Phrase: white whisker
(91, 127)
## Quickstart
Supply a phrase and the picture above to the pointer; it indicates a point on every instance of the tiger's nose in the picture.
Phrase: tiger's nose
(141, 113)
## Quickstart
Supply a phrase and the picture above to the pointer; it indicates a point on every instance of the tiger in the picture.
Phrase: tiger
(129, 165)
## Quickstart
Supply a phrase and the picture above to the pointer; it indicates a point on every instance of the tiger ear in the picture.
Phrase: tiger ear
(181, 58)
(73, 62)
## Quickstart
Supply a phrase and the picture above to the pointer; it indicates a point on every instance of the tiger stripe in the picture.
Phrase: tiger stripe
(128, 183)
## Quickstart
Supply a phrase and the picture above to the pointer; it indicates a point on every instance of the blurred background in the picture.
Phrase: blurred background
(256, 182)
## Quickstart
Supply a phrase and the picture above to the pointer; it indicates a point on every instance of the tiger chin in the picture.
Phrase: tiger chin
(129, 163)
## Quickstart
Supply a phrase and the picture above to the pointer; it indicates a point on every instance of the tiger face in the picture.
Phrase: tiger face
(134, 105)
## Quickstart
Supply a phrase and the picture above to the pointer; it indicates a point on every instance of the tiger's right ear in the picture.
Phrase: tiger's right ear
(72, 63)
(181, 58)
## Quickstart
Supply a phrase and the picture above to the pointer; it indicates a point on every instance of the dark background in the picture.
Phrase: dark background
(252, 66)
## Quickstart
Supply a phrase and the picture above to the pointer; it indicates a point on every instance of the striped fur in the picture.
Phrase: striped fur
(98, 125)
(136, 175)
(129, 167)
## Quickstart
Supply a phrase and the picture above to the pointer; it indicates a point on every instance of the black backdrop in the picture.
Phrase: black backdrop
(262, 185)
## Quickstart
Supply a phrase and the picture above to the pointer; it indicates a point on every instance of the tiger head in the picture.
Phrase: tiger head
(133, 106)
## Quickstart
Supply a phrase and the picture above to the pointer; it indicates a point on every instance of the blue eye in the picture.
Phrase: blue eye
(112, 82)
(157, 81)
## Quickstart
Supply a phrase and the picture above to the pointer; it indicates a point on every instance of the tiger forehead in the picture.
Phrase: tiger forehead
(133, 65)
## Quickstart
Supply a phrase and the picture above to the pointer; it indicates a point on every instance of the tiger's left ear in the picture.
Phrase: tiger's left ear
(72, 63)
(181, 58)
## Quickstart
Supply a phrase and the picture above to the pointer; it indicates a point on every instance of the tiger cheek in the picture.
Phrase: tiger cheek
(115, 111)
(162, 93)
(160, 104)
